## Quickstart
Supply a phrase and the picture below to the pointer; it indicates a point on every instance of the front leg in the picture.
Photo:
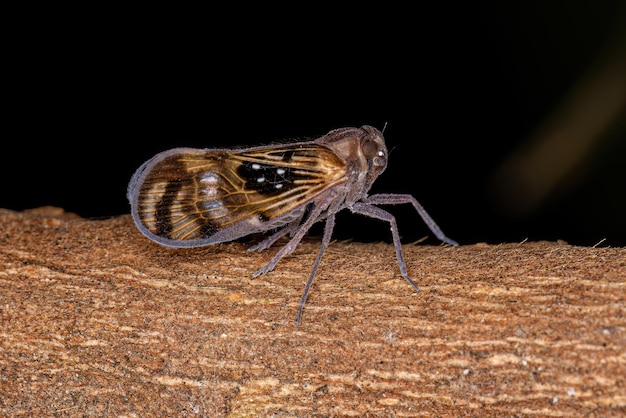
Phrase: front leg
(375, 212)
(399, 199)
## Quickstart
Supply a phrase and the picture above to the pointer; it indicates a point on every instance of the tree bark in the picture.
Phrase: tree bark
(95, 319)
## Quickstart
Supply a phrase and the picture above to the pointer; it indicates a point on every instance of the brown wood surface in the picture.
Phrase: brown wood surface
(97, 320)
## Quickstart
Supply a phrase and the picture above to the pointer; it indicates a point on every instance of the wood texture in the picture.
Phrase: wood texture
(96, 320)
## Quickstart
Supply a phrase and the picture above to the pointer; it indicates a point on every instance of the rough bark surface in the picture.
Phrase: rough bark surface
(96, 320)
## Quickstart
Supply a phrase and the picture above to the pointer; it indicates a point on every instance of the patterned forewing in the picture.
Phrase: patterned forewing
(195, 193)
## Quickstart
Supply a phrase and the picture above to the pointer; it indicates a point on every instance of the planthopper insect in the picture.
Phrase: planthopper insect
(189, 197)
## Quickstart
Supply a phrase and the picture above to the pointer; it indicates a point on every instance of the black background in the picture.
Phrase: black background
(460, 89)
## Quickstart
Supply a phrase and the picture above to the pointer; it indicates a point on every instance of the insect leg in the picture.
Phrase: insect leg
(378, 213)
(268, 242)
(290, 229)
(297, 237)
(399, 199)
(328, 232)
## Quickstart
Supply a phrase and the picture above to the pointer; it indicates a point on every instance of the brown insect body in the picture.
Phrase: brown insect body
(188, 197)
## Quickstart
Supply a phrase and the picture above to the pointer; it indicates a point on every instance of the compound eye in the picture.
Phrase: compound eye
(370, 149)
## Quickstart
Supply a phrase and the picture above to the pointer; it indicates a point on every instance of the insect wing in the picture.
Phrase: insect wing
(188, 197)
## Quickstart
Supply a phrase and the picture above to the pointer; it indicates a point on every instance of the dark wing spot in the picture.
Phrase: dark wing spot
(287, 156)
(266, 179)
